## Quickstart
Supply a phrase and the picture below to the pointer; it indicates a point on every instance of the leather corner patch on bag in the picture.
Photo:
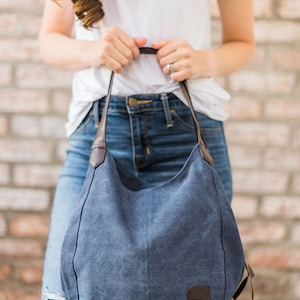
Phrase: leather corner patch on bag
(198, 293)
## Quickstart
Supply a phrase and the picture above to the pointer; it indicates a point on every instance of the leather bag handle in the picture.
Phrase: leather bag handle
(99, 145)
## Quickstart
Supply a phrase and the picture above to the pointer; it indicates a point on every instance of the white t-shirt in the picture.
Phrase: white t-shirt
(154, 20)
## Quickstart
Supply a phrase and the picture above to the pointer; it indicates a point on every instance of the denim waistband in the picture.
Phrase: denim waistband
(138, 103)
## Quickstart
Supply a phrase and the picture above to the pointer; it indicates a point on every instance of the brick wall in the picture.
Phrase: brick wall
(263, 135)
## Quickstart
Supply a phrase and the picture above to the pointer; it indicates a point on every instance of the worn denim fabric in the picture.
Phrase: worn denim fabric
(151, 137)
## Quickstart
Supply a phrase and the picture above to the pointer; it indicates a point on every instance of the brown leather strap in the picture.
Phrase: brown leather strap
(99, 145)
(243, 283)
(202, 146)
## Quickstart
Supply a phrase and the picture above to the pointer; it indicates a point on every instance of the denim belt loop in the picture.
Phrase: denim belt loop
(165, 101)
(96, 112)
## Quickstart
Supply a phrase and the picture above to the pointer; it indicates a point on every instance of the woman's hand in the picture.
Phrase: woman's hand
(186, 62)
(115, 50)
(236, 49)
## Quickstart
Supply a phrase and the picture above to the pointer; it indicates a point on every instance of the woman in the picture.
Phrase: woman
(149, 126)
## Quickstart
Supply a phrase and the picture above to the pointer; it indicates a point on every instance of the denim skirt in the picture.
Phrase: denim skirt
(151, 136)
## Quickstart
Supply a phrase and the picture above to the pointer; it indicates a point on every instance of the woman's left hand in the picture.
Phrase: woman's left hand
(181, 61)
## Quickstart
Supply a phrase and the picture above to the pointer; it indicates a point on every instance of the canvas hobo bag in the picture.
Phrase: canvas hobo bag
(129, 240)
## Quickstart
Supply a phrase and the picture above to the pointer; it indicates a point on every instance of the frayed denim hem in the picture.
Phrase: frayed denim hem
(52, 295)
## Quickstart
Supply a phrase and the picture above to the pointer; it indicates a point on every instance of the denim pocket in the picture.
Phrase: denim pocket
(182, 116)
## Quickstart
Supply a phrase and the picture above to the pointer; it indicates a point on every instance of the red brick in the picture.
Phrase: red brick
(20, 26)
(29, 226)
(282, 159)
(263, 8)
(22, 150)
(30, 275)
(295, 238)
(5, 174)
(262, 231)
(262, 82)
(296, 184)
(260, 182)
(3, 226)
(5, 272)
(295, 279)
(25, 5)
(276, 258)
(24, 199)
(40, 76)
(287, 58)
(257, 134)
(242, 157)
(6, 74)
(38, 126)
(245, 108)
(23, 101)
(280, 207)
(244, 207)
(295, 141)
(13, 294)
(21, 248)
(27, 50)
(8, 23)
(276, 31)
(60, 102)
(271, 285)
(30, 25)
(283, 110)
(259, 57)
(289, 8)
(36, 175)
(3, 126)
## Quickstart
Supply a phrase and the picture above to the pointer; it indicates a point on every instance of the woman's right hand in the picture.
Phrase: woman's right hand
(115, 50)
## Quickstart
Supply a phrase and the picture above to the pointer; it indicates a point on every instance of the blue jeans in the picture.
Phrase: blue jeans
(152, 136)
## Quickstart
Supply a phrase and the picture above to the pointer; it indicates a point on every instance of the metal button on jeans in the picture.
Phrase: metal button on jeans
(133, 102)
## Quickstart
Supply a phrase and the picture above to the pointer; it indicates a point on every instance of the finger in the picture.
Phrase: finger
(160, 44)
(140, 42)
(172, 58)
(165, 48)
(130, 44)
(178, 76)
(124, 44)
(114, 65)
(122, 53)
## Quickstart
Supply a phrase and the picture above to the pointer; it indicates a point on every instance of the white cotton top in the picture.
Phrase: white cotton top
(154, 20)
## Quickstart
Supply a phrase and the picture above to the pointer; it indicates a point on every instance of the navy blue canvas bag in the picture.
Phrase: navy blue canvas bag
(129, 240)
